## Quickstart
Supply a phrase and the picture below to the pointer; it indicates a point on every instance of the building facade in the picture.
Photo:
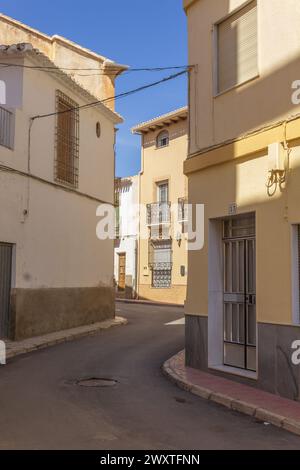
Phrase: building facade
(126, 244)
(57, 167)
(242, 309)
(162, 260)
(70, 57)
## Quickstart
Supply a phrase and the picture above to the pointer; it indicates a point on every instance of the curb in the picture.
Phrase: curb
(228, 402)
(15, 349)
(149, 302)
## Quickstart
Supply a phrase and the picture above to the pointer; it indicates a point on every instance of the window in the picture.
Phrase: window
(163, 192)
(237, 54)
(183, 214)
(6, 128)
(163, 139)
(160, 261)
(67, 140)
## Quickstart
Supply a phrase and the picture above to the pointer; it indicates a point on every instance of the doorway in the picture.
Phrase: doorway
(240, 324)
(5, 288)
(122, 272)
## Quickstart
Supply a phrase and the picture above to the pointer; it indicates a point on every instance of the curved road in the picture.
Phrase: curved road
(43, 408)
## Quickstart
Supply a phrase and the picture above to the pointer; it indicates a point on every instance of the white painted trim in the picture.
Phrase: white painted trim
(295, 275)
(14, 266)
(215, 295)
(238, 372)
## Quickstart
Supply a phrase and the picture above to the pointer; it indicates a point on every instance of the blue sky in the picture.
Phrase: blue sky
(134, 32)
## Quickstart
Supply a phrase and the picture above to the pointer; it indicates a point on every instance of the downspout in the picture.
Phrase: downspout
(26, 209)
(139, 230)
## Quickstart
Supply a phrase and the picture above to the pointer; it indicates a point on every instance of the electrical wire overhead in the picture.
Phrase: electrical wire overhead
(75, 71)
(116, 97)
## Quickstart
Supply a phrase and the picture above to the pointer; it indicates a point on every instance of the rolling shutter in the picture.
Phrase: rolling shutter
(237, 48)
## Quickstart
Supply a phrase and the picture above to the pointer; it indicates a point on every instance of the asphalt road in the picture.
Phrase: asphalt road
(42, 407)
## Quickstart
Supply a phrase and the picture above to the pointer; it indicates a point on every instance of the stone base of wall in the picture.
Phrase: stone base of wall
(175, 295)
(196, 328)
(36, 312)
(276, 372)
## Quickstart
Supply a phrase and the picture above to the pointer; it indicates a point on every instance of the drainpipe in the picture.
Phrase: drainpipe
(139, 229)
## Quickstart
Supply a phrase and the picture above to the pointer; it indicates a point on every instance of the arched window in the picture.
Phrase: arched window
(162, 139)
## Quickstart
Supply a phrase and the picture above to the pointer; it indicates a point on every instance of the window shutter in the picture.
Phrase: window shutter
(237, 48)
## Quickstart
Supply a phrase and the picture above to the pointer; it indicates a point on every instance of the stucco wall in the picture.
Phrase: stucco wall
(63, 53)
(244, 182)
(217, 119)
(56, 248)
(159, 165)
(128, 241)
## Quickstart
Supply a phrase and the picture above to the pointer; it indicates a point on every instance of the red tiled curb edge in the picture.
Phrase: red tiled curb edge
(175, 370)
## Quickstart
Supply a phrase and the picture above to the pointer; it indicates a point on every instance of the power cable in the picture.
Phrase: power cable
(120, 95)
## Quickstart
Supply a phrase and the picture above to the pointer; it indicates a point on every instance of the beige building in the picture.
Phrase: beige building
(54, 173)
(162, 260)
(242, 310)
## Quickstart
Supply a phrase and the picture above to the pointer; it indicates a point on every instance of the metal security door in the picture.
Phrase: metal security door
(5, 288)
(240, 293)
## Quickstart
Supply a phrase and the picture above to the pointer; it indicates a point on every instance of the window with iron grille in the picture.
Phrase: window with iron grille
(160, 261)
(6, 128)
(237, 48)
(163, 139)
(67, 140)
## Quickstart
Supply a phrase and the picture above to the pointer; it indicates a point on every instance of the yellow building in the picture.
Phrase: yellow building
(242, 309)
(162, 265)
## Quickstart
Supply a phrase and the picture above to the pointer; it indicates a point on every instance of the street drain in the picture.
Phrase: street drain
(97, 382)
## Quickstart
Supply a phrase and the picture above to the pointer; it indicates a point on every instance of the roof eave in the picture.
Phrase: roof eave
(161, 122)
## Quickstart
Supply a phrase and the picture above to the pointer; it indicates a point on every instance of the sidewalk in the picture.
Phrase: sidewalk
(261, 405)
(149, 302)
(16, 348)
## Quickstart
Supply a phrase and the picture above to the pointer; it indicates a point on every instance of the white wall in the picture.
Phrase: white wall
(56, 244)
(129, 199)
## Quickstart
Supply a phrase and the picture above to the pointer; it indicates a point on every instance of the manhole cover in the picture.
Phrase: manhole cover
(180, 400)
(97, 382)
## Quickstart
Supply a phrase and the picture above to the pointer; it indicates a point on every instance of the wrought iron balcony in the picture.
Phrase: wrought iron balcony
(158, 214)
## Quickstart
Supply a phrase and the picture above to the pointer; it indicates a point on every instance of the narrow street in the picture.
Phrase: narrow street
(42, 407)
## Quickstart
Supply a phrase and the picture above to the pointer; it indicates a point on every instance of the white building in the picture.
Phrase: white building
(54, 172)
(126, 245)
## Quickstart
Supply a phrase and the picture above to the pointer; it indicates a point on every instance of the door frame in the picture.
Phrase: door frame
(7, 332)
(244, 298)
(123, 253)
(215, 340)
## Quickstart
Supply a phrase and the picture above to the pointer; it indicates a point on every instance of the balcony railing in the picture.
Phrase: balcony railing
(158, 214)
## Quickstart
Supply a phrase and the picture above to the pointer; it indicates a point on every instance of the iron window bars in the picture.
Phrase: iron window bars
(160, 262)
(67, 140)
(6, 128)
